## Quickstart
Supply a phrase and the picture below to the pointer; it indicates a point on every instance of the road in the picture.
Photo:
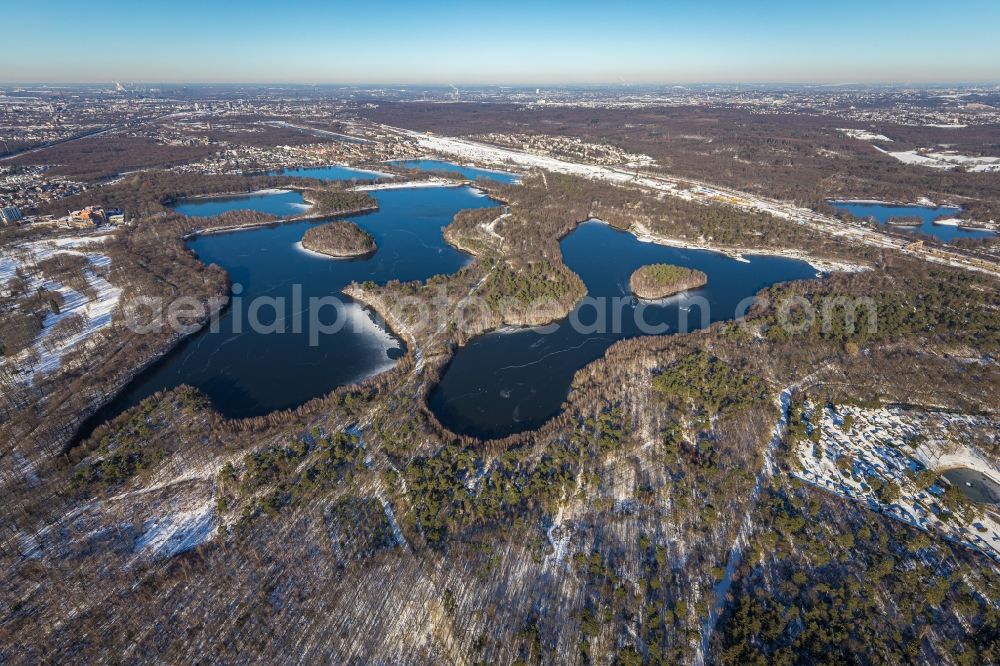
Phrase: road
(51, 144)
(701, 192)
(90, 135)
(318, 132)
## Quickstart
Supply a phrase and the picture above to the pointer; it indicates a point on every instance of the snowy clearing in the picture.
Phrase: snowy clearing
(877, 456)
(864, 135)
(177, 532)
(95, 310)
(490, 155)
(945, 160)
(430, 182)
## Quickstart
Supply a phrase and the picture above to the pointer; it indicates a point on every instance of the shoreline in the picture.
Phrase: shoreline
(323, 255)
(644, 235)
(926, 203)
(77, 437)
(968, 225)
(330, 255)
(386, 319)
(267, 191)
(695, 190)
(283, 220)
(959, 223)
(432, 157)
(331, 165)
(430, 182)
(696, 280)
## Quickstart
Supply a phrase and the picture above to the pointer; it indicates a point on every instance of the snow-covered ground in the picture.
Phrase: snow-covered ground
(491, 227)
(390, 517)
(489, 155)
(430, 182)
(945, 160)
(959, 222)
(859, 448)
(175, 533)
(822, 266)
(46, 353)
(864, 135)
(270, 191)
(480, 154)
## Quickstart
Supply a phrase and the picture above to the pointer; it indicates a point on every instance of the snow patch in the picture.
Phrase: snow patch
(848, 460)
(177, 532)
(864, 135)
(96, 313)
(945, 160)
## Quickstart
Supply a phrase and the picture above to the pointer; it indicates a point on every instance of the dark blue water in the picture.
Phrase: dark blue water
(506, 382)
(977, 487)
(332, 172)
(927, 214)
(283, 204)
(247, 373)
(469, 172)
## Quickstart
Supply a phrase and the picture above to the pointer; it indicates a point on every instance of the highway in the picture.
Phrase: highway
(702, 192)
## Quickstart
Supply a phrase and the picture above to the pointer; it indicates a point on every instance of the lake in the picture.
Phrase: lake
(282, 203)
(976, 486)
(882, 213)
(498, 384)
(248, 373)
(505, 382)
(332, 172)
(469, 172)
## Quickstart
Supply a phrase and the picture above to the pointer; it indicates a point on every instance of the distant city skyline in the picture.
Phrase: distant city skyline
(513, 43)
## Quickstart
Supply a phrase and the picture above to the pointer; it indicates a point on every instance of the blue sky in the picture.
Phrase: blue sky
(506, 42)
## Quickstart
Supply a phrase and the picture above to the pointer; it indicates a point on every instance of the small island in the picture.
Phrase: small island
(338, 202)
(341, 240)
(661, 280)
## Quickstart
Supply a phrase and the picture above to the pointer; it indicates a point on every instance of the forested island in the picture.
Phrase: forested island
(662, 280)
(338, 202)
(700, 497)
(339, 240)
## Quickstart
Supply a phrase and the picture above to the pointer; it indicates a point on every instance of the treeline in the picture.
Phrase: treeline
(289, 475)
(137, 443)
(532, 293)
(709, 383)
(466, 232)
(661, 280)
(148, 258)
(852, 310)
(332, 202)
(150, 192)
(338, 239)
(99, 158)
(804, 594)
(555, 210)
(798, 157)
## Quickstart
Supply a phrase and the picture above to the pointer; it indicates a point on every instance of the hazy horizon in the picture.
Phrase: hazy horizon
(527, 85)
(517, 43)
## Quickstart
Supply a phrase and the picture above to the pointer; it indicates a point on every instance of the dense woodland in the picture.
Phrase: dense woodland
(339, 239)
(661, 280)
(355, 527)
(148, 193)
(100, 158)
(795, 157)
(336, 202)
(146, 258)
